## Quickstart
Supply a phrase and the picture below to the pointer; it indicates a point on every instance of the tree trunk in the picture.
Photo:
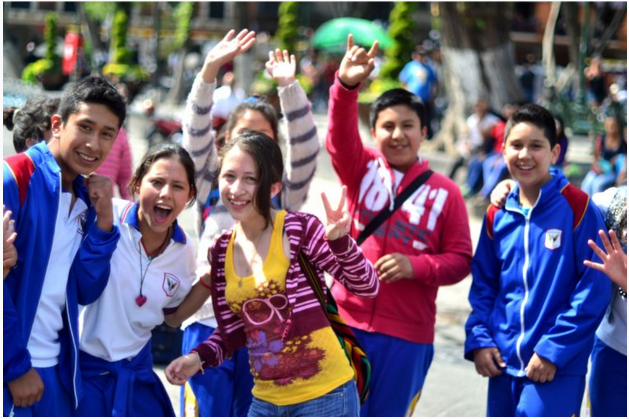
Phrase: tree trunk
(573, 31)
(478, 63)
(177, 93)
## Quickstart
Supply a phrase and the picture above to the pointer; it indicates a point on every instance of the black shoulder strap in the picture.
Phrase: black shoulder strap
(399, 200)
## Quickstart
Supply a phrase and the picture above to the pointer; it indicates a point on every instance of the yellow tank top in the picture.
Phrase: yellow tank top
(288, 372)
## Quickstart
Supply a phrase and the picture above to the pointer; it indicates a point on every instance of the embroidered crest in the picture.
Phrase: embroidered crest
(170, 284)
(553, 239)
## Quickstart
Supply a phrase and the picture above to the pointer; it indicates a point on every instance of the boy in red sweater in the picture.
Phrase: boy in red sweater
(421, 246)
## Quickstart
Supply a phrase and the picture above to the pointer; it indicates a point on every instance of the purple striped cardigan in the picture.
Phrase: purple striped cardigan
(341, 258)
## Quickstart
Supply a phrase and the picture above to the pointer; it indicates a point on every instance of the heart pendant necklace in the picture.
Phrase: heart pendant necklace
(140, 300)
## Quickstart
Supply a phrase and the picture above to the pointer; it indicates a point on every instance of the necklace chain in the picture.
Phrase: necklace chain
(141, 299)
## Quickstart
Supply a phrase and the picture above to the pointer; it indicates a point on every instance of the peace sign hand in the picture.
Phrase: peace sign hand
(338, 220)
(357, 63)
(281, 67)
(225, 51)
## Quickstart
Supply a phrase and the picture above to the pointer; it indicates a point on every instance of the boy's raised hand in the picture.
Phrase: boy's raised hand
(357, 64)
(281, 67)
(100, 191)
(225, 51)
(614, 261)
(338, 220)
(182, 368)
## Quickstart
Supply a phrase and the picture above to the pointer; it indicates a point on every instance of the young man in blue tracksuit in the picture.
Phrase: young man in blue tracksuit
(65, 237)
(535, 306)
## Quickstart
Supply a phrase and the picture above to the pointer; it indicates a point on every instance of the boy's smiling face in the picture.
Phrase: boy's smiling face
(398, 135)
(82, 144)
(528, 155)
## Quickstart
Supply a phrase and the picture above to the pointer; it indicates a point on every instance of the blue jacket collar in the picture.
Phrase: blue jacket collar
(557, 182)
(130, 216)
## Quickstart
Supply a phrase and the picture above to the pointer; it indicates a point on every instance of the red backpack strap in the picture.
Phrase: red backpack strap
(22, 168)
(578, 201)
(491, 216)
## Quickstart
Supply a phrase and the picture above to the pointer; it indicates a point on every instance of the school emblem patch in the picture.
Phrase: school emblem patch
(170, 284)
(553, 239)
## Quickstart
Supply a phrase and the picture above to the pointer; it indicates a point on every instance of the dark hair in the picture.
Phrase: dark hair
(166, 151)
(395, 97)
(31, 121)
(536, 115)
(259, 105)
(269, 163)
(96, 90)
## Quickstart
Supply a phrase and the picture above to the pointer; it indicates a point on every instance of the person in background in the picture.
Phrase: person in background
(419, 77)
(30, 123)
(610, 151)
(118, 166)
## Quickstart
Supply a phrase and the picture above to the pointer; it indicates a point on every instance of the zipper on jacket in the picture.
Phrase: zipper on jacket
(525, 268)
(76, 358)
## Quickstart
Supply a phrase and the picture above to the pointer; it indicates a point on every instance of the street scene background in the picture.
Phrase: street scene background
(541, 53)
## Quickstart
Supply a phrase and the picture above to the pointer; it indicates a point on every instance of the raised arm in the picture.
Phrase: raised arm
(198, 138)
(303, 142)
(331, 249)
(343, 140)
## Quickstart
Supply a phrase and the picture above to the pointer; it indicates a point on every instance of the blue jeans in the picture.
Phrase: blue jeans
(340, 402)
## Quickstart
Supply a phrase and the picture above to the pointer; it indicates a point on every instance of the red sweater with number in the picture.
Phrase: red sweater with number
(431, 228)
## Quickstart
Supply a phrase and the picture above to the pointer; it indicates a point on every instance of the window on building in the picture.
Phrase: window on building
(217, 10)
(20, 5)
(69, 6)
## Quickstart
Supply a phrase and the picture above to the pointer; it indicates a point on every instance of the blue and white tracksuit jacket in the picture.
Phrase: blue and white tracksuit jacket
(31, 190)
(531, 292)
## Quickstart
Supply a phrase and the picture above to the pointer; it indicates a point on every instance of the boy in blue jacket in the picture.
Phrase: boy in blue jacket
(63, 250)
(535, 306)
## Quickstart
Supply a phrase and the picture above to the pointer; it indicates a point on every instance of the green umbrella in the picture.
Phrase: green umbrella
(332, 35)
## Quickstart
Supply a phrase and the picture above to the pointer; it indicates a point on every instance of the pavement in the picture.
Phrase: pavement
(452, 388)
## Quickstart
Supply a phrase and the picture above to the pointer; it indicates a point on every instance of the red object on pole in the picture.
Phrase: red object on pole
(71, 50)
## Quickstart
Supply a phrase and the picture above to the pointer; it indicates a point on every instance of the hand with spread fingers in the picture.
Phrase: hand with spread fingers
(338, 220)
(281, 67)
(225, 51)
(357, 64)
(614, 261)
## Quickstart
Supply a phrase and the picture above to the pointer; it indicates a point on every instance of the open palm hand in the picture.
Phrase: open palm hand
(281, 67)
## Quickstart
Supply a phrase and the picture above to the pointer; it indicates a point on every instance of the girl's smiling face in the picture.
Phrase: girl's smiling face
(163, 193)
(238, 184)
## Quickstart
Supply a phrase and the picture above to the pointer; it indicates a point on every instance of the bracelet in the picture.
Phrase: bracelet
(623, 294)
(200, 361)
(203, 284)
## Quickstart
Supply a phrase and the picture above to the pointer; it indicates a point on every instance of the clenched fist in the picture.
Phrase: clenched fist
(100, 190)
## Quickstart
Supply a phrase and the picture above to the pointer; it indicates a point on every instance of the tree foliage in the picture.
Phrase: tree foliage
(286, 34)
(401, 29)
(183, 20)
(51, 63)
